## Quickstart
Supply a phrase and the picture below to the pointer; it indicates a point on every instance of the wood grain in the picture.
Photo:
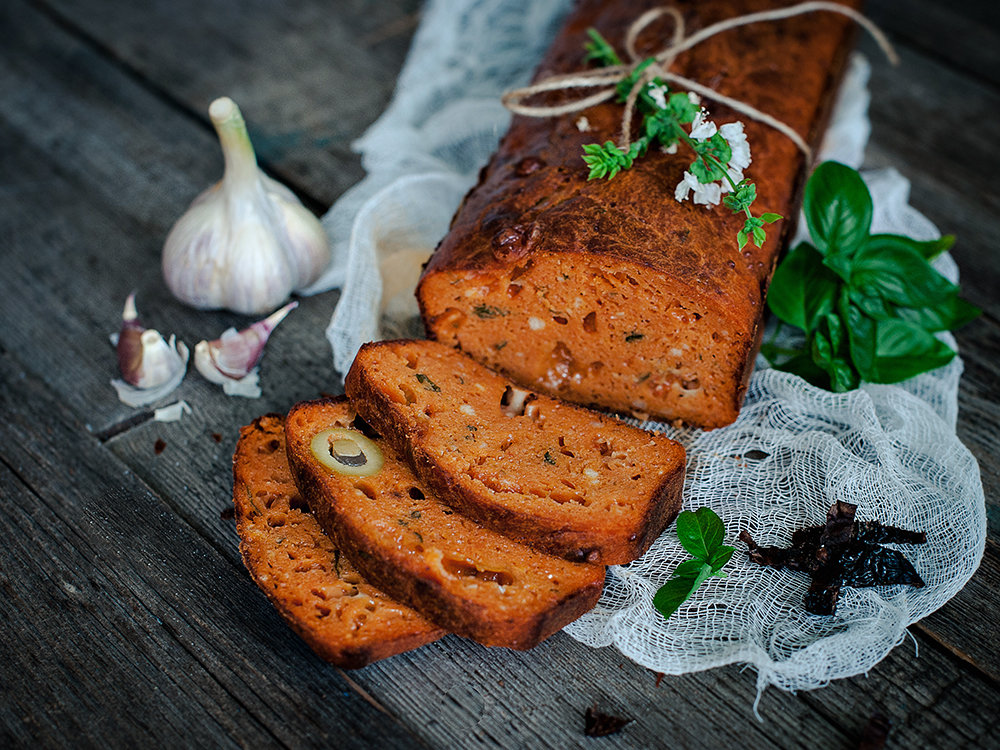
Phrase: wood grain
(129, 618)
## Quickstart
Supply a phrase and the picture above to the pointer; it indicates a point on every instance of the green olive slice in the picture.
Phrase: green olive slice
(347, 452)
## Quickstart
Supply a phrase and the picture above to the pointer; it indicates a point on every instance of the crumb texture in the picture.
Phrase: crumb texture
(469, 579)
(313, 585)
(568, 480)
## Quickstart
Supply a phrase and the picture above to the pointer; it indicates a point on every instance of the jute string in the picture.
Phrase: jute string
(607, 78)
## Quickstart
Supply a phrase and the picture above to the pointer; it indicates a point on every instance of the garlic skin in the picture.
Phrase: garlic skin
(151, 367)
(246, 242)
(231, 359)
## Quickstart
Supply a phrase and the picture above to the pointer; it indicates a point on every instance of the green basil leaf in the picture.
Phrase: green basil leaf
(676, 591)
(838, 208)
(861, 338)
(946, 315)
(898, 274)
(699, 532)
(804, 366)
(905, 349)
(822, 350)
(927, 250)
(688, 568)
(872, 305)
(835, 331)
(843, 377)
(720, 557)
(840, 264)
(802, 288)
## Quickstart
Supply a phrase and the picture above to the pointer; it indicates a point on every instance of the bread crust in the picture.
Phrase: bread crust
(270, 518)
(533, 201)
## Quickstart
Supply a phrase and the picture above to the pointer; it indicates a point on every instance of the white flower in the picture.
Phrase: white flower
(658, 94)
(694, 98)
(671, 149)
(737, 140)
(709, 194)
(701, 127)
(583, 124)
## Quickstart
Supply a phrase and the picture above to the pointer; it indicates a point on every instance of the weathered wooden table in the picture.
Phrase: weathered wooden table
(127, 617)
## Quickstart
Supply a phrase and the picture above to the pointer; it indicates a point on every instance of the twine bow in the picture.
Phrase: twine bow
(607, 78)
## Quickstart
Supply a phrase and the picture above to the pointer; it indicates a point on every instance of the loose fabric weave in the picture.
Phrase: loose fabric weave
(794, 450)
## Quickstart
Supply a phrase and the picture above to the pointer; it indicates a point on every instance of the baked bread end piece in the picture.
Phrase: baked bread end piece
(321, 596)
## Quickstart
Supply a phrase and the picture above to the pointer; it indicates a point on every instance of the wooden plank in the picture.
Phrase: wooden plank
(123, 628)
(95, 170)
(309, 79)
(964, 35)
(127, 145)
(932, 123)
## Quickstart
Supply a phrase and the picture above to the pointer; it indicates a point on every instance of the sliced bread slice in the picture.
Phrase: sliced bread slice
(567, 480)
(468, 579)
(345, 620)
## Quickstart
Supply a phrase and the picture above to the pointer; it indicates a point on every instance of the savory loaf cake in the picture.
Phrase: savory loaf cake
(612, 293)
(345, 620)
(468, 579)
(572, 482)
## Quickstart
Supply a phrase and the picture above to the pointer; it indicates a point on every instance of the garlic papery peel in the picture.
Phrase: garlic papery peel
(247, 242)
(151, 366)
(232, 357)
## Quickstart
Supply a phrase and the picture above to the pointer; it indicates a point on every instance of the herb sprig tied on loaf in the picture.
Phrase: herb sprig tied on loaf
(721, 153)
(869, 304)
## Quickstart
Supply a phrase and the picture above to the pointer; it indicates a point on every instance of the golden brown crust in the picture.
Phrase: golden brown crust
(534, 201)
(566, 480)
(321, 596)
(469, 580)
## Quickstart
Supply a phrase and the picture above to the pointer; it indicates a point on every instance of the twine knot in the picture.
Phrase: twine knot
(606, 79)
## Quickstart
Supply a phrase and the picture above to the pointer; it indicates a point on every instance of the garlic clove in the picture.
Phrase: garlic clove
(231, 358)
(151, 367)
(247, 242)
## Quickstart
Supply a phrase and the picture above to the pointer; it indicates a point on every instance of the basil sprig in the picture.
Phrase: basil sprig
(869, 304)
(700, 532)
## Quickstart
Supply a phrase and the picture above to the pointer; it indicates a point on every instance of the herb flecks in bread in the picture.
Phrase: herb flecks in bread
(468, 579)
(322, 596)
(567, 480)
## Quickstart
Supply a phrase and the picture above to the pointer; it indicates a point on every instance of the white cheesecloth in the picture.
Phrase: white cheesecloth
(793, 451)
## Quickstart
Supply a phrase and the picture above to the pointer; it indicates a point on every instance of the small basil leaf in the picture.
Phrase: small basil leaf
(838, 208)
(835, 330)
(840, 264)
(872, 305)
(802, 365)
(720, 557)
(843, 378)
(861, 339)
(899, 274)
(802, 289)
(712, 529)
(699, 532)
(946, 315)
(822, 351)
(905, 349)
(688, 568)
(676, 591)
(927, 250)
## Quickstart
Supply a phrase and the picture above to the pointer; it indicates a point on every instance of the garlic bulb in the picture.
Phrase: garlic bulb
(150, 366)
(247, 241)
(231, 359)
